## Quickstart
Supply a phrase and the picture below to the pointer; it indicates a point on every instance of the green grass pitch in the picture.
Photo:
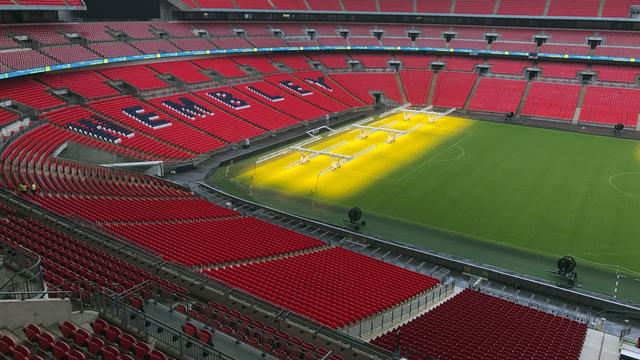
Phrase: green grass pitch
(511, 196)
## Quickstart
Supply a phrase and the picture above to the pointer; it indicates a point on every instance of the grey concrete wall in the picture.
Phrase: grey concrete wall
(80, 152)
(45, 312)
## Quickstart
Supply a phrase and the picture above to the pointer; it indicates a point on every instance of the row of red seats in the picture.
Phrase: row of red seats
(509, 92)
(329, 286)
(417, 85)
(66, 259)
(611, 9)
(246, 107)
(142, 117)
(281, 100)
(100, 209)
(211, 243)
(211, 119)
(361, 85)
(472, 325)
(73, 119)
(7, 117)
(62, 51)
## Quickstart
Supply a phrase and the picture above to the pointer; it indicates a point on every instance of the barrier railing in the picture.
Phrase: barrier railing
(240, 327)
(148, 327)
(387, 319)
(27, 271)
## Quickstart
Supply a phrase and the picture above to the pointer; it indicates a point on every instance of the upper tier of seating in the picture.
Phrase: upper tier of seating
(42, 4)
(473, 325)
(590, 8)
(335, 287)
(52, 47)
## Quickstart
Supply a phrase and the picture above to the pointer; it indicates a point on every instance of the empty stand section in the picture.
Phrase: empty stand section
(138, 76)
(105, 133)
(66, 259)
(303, 90)
(284, 100)
(475, 6)
(618, 8)
(585, 8)
(363, 85)
(144, 118)
(606, 105)
(359, 5)
(223, 66)
(373, 60)
(551, 100)
(508, 66)
(335, 287)
(183, 70)
(417, 84)
(325, 5)
(473, 325)
(260, 63)
(396, 6)
(29, 92)
(331, 61)
(434, 6)
(561, 70)
(453, 89)
(623, 74)
(88, 84)
(460, 63)
(247, 108)
(211, 243)
(323, 83)
(207, 117)
(132, 209)
(293, 61)
(518, 7)
(498, 95)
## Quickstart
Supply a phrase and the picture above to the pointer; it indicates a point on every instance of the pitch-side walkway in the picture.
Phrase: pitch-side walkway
(595, 340)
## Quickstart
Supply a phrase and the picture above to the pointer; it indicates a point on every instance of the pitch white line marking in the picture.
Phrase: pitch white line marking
(433, 159)
(620, 190)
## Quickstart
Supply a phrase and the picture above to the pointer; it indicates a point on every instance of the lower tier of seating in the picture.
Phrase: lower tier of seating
(100, 209)
(66, 260)
(497, 95)
(335, 287)
(473, 325)
(103, 340)
(552, 100)
(605, 105)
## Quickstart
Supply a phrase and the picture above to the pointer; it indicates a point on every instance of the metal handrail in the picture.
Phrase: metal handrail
(34, 271)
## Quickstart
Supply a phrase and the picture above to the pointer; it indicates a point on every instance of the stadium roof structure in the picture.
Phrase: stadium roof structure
(42, 5)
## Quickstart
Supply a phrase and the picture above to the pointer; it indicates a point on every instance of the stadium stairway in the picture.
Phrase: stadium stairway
(523, 100)
(403, 94)
(472, 93)
(583, 92)
(432, 89)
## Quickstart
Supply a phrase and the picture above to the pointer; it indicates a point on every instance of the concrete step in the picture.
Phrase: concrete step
(524, 98)
(576, 115)
(432, 89)
(472, 93)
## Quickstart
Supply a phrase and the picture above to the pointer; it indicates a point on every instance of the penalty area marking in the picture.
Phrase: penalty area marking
(434, 158)
(620, 190)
